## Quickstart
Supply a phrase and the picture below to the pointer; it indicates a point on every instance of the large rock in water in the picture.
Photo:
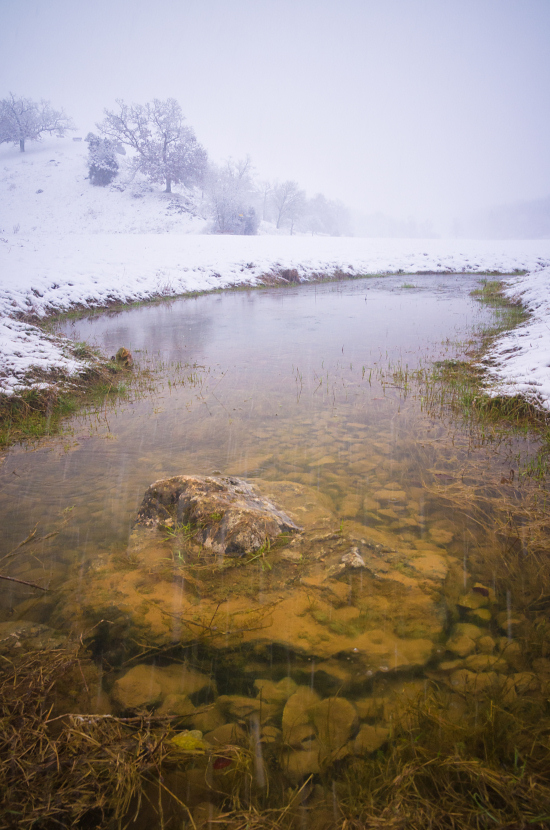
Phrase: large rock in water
(227, 514)
(343, 601)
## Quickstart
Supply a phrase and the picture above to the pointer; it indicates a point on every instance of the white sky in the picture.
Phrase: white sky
(426, 108)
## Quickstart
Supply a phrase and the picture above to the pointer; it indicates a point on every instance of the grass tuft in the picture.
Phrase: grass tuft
(38, 413)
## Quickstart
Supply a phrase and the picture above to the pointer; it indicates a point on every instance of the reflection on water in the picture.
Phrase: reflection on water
(309, 391)
(278, 370)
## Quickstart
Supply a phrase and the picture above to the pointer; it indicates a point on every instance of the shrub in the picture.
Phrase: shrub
(102, 161)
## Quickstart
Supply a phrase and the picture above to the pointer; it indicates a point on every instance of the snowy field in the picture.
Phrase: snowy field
(66, 244)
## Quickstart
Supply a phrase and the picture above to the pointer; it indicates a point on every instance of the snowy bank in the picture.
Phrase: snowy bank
(519, 362)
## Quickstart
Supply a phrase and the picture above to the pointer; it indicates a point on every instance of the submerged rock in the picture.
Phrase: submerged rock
(145, 686)
(298, 764)
(369, 739)
(178, 705)
(335, 720)
(380, 610)
(461, 645)
(228, 733)
(207, 719)
(271, 692)
(137, 689)
(226, 514)
(353, 559)
(297, 724)
(470, 682)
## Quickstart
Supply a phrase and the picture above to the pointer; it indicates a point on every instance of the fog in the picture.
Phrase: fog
(431, 112)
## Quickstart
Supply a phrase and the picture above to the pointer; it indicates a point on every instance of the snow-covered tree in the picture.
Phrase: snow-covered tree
(289, 203)
(231, 194)
(24, 120)
(102, 160)
(167, 150)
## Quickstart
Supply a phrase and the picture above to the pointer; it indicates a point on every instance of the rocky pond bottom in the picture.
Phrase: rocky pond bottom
(250, 616)
(306, 588)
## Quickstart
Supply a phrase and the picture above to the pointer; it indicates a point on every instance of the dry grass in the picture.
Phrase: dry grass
(54, 772)
(491, 768)
(66, 770)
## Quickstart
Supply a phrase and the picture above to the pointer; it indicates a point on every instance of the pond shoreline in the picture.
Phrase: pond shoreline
(42, 275)
(48, 395)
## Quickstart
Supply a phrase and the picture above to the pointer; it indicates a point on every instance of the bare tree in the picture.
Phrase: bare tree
(266, 189)
(289, 202)
(24, 120)
(231, 193)
(166, 149)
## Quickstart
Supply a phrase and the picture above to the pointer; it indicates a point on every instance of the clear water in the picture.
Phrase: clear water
(302, 386)
(280, 375)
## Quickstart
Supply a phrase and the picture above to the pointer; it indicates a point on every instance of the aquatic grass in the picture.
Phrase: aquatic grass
(490, 768)
(40, 411)
(507, 313)
(490, 292)
(59, 770)
(37, 413)
(33, 546)
(462, 386)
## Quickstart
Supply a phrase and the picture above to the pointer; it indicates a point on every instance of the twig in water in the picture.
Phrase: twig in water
(23, 582)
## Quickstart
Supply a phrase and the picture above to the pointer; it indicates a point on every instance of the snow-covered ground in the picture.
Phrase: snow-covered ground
(64, 244)
(519, 362)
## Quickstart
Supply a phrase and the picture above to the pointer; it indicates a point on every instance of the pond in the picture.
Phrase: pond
(322, 396)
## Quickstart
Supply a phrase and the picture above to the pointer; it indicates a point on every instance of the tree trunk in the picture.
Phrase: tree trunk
(22, 145)
(168, 186)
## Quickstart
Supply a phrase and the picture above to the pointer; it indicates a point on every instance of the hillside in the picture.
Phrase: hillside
(46, 190)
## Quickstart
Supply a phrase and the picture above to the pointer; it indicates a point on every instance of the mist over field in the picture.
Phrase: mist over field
(421, 118)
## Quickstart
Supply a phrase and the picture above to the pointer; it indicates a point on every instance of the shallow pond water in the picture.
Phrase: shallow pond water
(313, 392)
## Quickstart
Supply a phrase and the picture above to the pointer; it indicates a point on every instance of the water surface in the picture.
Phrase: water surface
(245, 377)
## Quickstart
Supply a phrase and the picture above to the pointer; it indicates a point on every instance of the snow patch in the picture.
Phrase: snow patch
(519, 362)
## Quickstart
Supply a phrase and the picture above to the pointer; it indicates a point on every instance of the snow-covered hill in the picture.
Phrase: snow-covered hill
(46, 190)
(66, 243)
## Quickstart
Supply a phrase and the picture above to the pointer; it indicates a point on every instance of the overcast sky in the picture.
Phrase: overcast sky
(426, 108)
